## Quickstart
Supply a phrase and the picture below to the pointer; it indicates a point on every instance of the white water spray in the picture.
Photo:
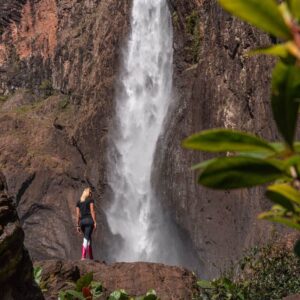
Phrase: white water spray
(141, 109)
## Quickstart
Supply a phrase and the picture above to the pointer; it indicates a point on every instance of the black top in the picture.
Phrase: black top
(85, 210)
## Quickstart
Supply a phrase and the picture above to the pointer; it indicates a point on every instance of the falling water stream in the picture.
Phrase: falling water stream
(141, 108)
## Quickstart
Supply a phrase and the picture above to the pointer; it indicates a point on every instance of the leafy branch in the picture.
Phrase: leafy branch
(249, 160)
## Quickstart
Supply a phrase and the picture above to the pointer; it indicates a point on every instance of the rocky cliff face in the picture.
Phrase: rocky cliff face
(16, 274)
(220, 88)
(59, 62)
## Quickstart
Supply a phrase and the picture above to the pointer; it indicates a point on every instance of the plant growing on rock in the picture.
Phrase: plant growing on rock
(84, 289)
(269, 272)
(37, 274)
(122, 295)
(87, 289)
(249, 160)
(47, 88)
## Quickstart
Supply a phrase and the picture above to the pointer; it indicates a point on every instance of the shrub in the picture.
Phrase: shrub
(269, 272)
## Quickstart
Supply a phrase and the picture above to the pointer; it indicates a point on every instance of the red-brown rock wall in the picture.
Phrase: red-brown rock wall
(58, 66)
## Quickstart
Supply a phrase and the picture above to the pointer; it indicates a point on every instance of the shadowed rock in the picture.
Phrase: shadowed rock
(16, 272)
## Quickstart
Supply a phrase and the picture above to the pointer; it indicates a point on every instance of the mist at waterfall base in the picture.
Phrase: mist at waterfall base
(145, 232)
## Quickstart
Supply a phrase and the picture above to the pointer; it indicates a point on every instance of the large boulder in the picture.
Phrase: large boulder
(135, 278)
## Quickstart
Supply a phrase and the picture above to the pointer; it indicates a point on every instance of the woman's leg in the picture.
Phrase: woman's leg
(84, 242)
(87, 226)
(89, 234)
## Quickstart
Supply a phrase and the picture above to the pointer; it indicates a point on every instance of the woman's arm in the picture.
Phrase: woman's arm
(78, 218)
(92, 207)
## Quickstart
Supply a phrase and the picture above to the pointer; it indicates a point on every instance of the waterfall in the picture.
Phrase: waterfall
(141, 108)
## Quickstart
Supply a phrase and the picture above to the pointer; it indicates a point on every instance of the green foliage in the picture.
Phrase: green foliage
(46, 88)
(262, 14)
(64, 103)
(84, 281)
(85, 288)
(175, 19)
(270, 272)
(295, 8)
(151, 295)
(3, 98)
(254, 161)
(192, 28)
(238, 172)
(71, 295)
(96, 289)
(224, 140)
(280, 50)
(285, 99)
(122, 295)
(46, 85)
(37, 274)
(192, 21)
(287, 208)
(118, 295)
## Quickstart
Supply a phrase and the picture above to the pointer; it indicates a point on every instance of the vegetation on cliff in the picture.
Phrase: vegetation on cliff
(269, 272)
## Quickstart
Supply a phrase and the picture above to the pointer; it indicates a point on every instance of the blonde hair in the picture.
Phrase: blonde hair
(85, 194)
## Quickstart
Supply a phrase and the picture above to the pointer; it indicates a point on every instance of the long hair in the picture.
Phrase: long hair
(85, 194)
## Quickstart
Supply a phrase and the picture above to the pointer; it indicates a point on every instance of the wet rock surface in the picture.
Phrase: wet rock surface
(16, 272)
(136, 278)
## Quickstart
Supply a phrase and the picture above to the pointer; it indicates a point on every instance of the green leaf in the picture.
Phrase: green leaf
(224, 140)
(297, 248)
(278, 215)
(37, 273)
(203, 164)
(285, 99)
(279, 50)
(118, 295)
(262, 14)
(260, 155)
(205, 284)
(295, 8)
(151, 295)
(75, 294)
(239, 172)
(96, 289)
(62, 295)
(84, 281)
(286, 191)
(281, 200)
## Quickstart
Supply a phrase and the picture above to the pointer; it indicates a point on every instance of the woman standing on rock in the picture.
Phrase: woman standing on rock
(86, 221)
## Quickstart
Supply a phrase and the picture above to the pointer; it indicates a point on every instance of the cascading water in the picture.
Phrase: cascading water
(141, 108)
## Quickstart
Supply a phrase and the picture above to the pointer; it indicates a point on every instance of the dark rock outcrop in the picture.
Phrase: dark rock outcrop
(136, 278)
(16, 272)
